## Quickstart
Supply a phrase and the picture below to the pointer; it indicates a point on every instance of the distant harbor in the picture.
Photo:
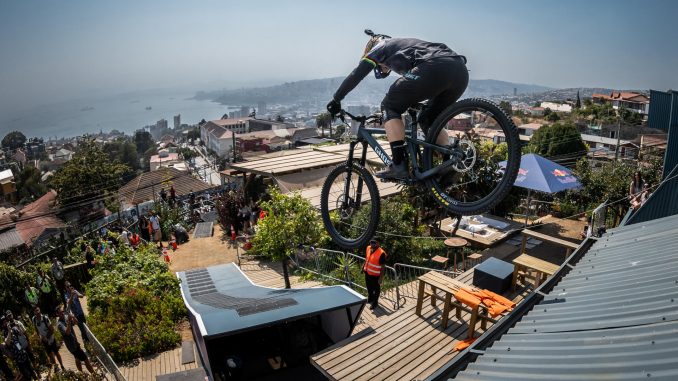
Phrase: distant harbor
(123, 113)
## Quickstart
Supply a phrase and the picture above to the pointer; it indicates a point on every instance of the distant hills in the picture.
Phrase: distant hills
(370, 91)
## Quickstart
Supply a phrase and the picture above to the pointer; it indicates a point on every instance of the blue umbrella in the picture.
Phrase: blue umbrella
(543, 175)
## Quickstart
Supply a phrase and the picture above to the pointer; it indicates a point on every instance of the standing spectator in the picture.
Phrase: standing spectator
(163, 194)
(254, 214)
(375, 260)
(636, 186)
(65, 325)
(4, 353)
(191, 199)
(90, 261)
(73, 306)
(58, 273)
(143, 228)
(31, 294)
(46, 333)
(155, 226)
(173, 195)
(17, 342)
(47, 291)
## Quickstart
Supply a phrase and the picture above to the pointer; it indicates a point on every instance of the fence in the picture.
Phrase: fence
(112, 370)
(604, 217)
(335, 267)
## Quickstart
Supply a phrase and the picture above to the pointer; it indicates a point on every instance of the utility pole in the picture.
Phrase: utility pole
(234, 153)
(616, 148)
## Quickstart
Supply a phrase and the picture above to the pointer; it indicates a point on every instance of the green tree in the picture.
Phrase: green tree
(29, 184)
(322, 121)
(552, 117)
(123, 151)
(557, 139)
(14, 140)
(187, 153)
(506, 106)
(577, 105)
(193, 134)
(89, 177)
(144, 141)
(291, 221)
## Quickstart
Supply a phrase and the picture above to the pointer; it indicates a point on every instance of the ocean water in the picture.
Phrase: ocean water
(125, 113)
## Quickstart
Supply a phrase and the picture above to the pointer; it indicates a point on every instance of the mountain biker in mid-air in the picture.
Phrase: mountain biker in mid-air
(428, 70)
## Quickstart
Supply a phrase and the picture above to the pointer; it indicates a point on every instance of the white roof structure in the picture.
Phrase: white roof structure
(6, 176)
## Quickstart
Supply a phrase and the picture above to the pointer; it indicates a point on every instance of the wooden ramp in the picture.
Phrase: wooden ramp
(400, 346)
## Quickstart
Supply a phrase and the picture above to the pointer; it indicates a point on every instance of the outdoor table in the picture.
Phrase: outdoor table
(449, 287)
(569, 246)
(456, 243)
(526, 262)
(437, 281)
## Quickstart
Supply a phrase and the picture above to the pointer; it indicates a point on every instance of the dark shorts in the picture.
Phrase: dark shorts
(441, 80)
(51, 348)
(78, 353)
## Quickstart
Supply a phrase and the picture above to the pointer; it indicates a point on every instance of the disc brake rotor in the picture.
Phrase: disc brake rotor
(468, 150)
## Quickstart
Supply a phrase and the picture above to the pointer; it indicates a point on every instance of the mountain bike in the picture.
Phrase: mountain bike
(453, 163)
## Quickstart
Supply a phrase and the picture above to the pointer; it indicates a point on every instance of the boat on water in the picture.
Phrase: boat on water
(148, 107)
(88, 108)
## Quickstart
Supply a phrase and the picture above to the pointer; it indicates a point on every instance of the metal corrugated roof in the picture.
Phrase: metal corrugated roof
(614, 316)
(10, 239)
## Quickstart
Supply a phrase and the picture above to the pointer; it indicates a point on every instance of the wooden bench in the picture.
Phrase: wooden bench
(569, 246)
(524, 263)
(437, 281)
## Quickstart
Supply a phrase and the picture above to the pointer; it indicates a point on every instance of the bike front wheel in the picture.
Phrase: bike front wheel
(349, 205)
(478, 151)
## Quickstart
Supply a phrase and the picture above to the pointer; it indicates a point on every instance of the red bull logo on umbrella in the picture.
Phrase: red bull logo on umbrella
(522, 175)
(564, 177)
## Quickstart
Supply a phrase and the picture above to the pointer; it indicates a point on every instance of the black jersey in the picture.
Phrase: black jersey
(403, 54)
(398, 54)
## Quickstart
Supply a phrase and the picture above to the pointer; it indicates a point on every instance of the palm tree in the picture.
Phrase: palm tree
(324, 120)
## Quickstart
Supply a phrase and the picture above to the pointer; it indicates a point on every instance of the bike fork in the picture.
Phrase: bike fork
(347, 183)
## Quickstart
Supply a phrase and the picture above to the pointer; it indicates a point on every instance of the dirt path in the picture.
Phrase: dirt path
(202, 252)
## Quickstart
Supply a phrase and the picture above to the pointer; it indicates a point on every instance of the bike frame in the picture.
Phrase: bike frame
(365, 136)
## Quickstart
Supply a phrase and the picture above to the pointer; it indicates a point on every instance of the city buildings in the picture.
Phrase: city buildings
(7, 186)
(636, 102)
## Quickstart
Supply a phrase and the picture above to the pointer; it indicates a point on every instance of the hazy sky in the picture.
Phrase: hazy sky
(55, 50)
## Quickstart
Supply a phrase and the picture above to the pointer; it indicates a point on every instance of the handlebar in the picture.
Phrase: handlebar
(361, 118)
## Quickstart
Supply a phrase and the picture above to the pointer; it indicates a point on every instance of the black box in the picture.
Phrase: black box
(494, 275)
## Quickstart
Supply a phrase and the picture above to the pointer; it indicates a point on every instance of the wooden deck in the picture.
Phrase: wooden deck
(146, 368)
(401, 346)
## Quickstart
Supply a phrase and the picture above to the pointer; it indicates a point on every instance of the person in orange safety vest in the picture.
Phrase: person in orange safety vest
(375, 260)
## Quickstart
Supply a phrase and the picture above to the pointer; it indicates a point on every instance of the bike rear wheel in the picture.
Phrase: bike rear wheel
(349, 205)
(476, 181)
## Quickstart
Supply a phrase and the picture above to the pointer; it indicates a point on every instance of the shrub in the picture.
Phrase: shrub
(137, 323)
(135, 303)
(12, 290)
